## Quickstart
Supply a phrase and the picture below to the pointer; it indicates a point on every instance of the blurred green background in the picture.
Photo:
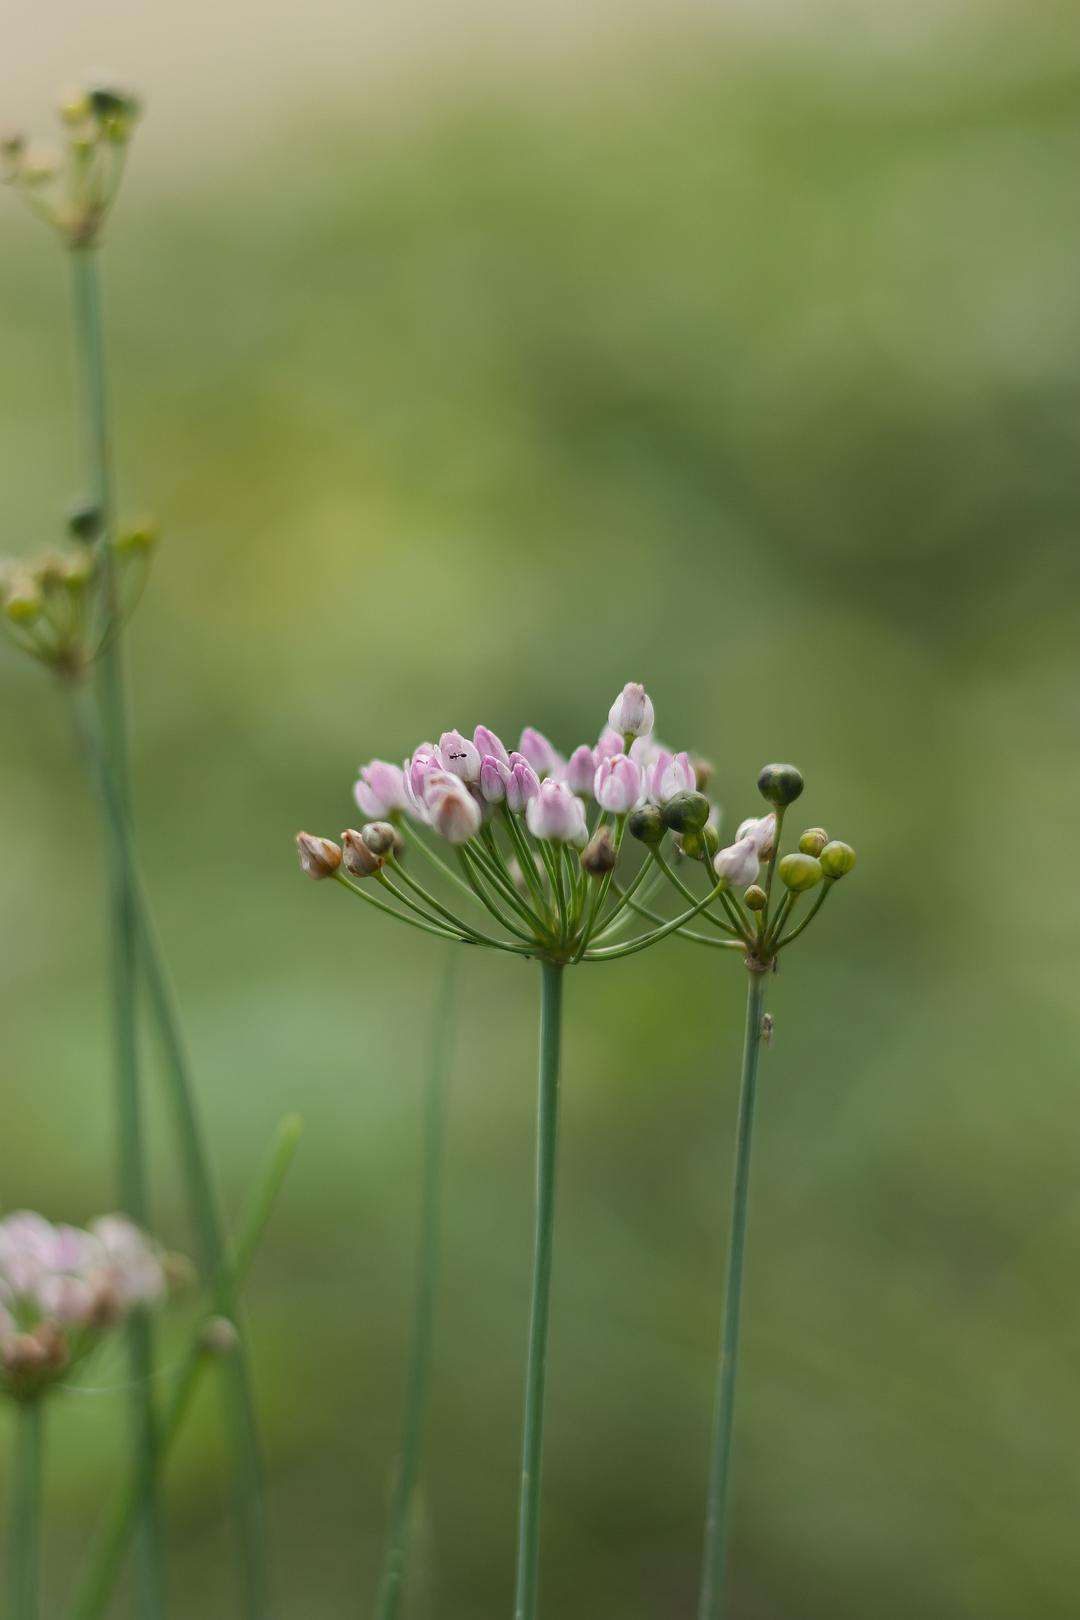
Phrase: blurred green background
(474, 364)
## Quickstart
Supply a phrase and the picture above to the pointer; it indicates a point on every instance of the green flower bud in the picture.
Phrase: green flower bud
(780, 784)
(84, 520)
(686, 812)
(74, 109)
(22, 601)
(703, 770)
(140, 537)
(837, 859)
(813, 840)
(711, 837)
(755, 898)
(599, 855)
(800, 872)
(647, 824)
(77, 572)
(106, 103)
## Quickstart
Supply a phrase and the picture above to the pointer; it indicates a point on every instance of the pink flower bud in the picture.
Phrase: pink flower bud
(539, 752)
(617, 784)
(416, 771)
(738, 863)
(494, 776)
(454, 812)
(556, 813)
(319, 857)
(610, 744)
(761, 830)
(631, 714)
(669, 775)
(380, 790)
(581, 769)
(460, 756)
(486, 743)
(523, 784)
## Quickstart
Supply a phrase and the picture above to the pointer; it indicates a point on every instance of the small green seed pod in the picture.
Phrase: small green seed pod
(646, 823)
(837, 858)
(755, 898)
(84, 520)
(686, 812)
(800, 872)
(780, 784)
(813, 840)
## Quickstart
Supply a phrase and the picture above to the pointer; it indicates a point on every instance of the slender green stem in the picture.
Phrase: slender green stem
(636, 907)
(418, 1377)
(478, 872)
(106, 1557)
(608, 953)
(204, 1204)
(688, 893)
(527, 862)
(711, 1604)
(547, 1139)
(24, 1533)
(132, 1179)
(826, 885)
(392, 911)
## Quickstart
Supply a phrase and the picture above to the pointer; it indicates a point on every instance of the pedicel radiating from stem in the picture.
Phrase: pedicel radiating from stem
(418, 1375)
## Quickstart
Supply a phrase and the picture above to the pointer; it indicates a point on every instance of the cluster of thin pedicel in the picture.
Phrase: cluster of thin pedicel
(67, 609)
(538, 840)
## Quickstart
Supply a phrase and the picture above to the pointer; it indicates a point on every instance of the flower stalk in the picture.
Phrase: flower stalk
(547, 1142)
(24, 1532)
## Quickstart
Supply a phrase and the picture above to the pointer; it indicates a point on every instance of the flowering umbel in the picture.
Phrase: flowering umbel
(72, 186)
(62, 1288)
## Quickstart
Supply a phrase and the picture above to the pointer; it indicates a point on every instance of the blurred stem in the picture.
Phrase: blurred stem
(418, 1378)
(711, 1604)
(107, 1554)
(132, 1181)
(826, 885)
(202, 1195)
(547, 1138)
(24, 1531)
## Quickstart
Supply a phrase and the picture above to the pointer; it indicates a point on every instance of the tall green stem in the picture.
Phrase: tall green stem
(131, 1168)
(547, 1140)
(202, 1195)
(418, 1377)
(24, 1532)
(711, 1604)
(106, 1558)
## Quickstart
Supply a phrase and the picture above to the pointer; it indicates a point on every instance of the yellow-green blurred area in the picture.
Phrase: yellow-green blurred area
(735, 354)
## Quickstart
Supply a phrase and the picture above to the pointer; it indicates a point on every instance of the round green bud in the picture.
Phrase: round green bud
(837, 859)
(686, 812)
(74, 109)
(813, 840)
(22, 602)
(646, 823)
(84, 520)
(755, 898)
(77, 573)
(780, 784)
(141, 537)
(693, 845)
(800, 872)
(106, 103)
(711, 837)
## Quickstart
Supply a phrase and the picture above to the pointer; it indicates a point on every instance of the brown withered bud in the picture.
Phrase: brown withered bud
(357, 857)
(703, 772)
(599, 855)
(319, 857)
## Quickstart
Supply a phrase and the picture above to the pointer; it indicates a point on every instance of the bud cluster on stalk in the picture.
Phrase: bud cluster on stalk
(62, 1288)
(63, 606)
(72, 184)
(537, 838)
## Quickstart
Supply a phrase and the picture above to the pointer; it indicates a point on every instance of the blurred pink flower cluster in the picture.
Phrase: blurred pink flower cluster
(62, 1286)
